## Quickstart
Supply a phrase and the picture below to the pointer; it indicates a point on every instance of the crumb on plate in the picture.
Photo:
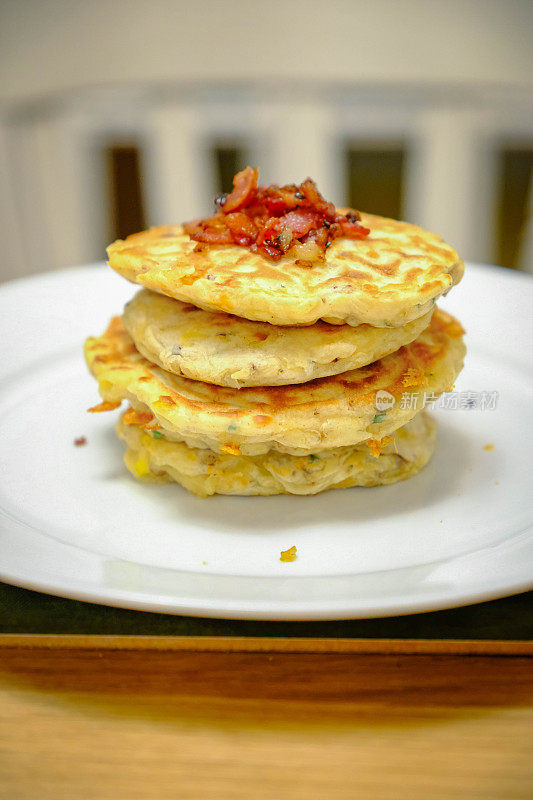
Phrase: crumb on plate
(288, 555)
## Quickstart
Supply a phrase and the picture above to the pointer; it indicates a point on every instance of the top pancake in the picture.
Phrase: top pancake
(393, 276)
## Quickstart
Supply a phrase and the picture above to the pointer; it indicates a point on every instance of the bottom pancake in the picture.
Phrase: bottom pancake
(204, 472)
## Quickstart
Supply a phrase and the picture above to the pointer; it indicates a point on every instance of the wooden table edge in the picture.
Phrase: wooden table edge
(267, 644)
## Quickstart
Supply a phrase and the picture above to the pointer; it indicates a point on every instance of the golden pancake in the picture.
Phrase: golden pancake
(220, 348)
(328, 412)
(204, 472)
(393, 276)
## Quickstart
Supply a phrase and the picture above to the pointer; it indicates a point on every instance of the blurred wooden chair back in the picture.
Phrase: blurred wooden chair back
(440, 150)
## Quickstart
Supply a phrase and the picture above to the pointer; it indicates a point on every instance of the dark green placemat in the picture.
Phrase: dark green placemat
(23, 611)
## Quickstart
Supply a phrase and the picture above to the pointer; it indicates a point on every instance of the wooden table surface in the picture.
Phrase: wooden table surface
(272, 719)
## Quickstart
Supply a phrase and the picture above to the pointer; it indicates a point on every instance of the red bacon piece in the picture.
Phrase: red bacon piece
(300, 222)
(242, 228)
(211, 235)
(211, 231)
(280, 199)
(244, 185)
(310, 190)
(352, 230)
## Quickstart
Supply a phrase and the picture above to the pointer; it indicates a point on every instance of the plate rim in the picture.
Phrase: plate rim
(306, 611)
(172, 604)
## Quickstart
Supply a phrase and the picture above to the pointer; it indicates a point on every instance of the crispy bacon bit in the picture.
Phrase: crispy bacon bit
(80, 442)
(242, 228)
(273, 220)
(288, 555)
(352, 230)
(244, 185)
(300, 222)
(106, 405)
(310, 190)
(210, 231)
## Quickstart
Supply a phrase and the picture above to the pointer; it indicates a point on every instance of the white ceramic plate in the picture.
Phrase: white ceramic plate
(74, 523)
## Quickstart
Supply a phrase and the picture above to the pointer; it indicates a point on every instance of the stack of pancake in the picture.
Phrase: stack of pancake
(248, 376)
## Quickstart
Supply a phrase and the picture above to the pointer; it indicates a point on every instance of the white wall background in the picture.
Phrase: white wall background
(451, 78)
(49, 45)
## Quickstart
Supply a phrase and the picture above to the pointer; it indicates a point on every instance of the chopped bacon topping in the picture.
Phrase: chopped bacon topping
(273, 219)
